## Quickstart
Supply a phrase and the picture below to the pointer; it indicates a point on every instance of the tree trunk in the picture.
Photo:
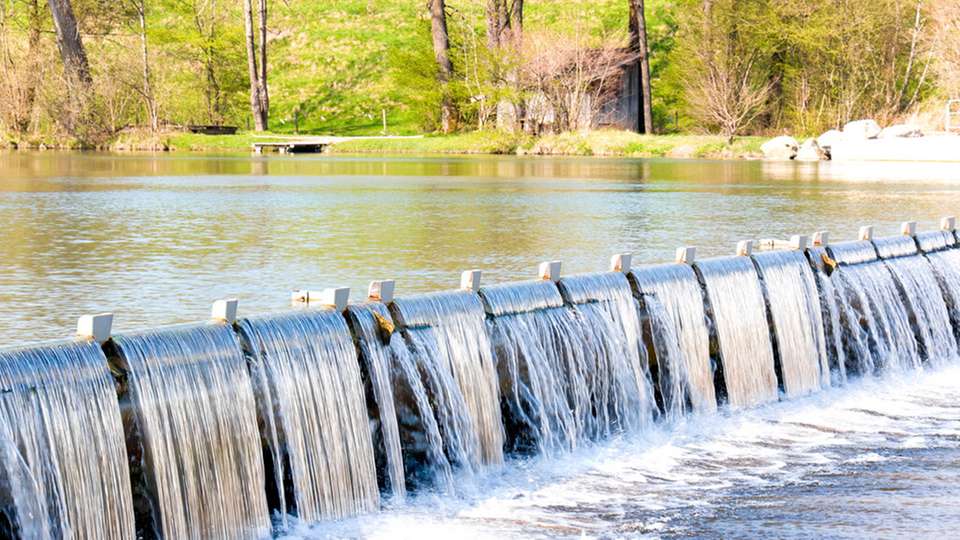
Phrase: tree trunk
(256, 101)
(441, 50)
(493, 24)
(638, 43)
(264, 94)
(516, 22)
(149, 99)
(74, 56)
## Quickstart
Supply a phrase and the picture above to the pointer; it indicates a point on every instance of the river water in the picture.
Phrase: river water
(155, 239)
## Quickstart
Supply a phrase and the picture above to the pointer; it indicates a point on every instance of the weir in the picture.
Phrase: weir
(307, 384)
(191, 423)
(793, 301)
(446, 334)
(203, 430)
(673, 301)
(736, 303)
(63, 443)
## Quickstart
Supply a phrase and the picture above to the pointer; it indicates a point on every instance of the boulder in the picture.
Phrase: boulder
(861, 130)
(900, 130)
(810, 151)
(829, 138)
(780, 148)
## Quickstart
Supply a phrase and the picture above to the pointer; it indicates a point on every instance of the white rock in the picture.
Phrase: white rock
(860, 130)
(829, 138)
(780, 148)
(810, 151)
(900, 130)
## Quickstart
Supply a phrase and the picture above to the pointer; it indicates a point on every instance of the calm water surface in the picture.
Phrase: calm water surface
(156, 239)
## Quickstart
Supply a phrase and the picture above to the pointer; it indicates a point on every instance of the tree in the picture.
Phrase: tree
(638, 43)
(441, 51)
(504, 22)
(146, 89)
(259, 98)
(72, 52)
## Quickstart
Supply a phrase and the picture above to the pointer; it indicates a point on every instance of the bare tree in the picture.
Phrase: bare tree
(726, 92)
(259, 98)
(441, 51)
(638, 43)
(504, 22)
(146, 90)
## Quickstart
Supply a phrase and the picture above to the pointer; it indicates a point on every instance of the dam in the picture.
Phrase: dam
(241, 427)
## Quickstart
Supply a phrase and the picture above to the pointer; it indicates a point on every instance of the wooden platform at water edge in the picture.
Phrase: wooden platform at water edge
(309, 145)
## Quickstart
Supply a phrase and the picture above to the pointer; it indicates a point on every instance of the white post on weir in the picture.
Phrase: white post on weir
(686, 255)
(381, 291)
(225, 311)
(799, 242)
(621, 263)
(948, 224)
(95, 327)
(821, 238)
(866, 233)
(550, 271)
(908, 228)
(336, 298)
(470, 280)
(745, 248)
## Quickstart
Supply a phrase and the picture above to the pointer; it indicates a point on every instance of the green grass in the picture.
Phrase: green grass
(477, 142)
(617, 143)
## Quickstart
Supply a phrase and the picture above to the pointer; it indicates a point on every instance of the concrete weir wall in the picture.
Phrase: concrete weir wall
(454, 380)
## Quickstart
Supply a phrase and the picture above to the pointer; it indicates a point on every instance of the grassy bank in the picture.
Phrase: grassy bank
(608, 143)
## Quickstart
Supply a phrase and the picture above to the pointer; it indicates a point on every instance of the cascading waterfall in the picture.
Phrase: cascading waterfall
(833, 311)
(623, 392)
(674, 303)
(21, 510)
(542, 365)
(915, 275)
(374, 331)
(192, 433)
(736, 300)
(939, 249)
(872, 300)
(422, 458)
(793, 299)
(306, 380)
(446, 334)
(64, 457)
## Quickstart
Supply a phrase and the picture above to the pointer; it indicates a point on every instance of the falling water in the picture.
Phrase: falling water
(945, 260)
(870, 295)
(306, 380)
(679, 325)
(793, 299)
(736, 300)
(21, 510)
(374, 331)
(447, 336)
(922, 294)
(623, 393)
(542, 364)
(198, 465)
(59, 410)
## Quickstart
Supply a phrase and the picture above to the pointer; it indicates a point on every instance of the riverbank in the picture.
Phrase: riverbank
(608, 143)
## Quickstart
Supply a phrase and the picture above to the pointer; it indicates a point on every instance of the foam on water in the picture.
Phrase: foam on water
(674, 302)
(306, 380)
(192, 430)
(811, 467)
(447, 336)
(64, 457)
(739, 313)
(793, 299)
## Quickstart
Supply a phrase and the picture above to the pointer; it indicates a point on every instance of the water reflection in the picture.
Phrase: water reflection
(157, 238)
